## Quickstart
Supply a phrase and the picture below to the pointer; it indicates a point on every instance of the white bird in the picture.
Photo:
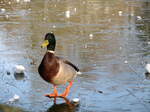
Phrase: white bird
(19, 69)
(147, 67)
(76, 100)
(14, 98)
(67, 14)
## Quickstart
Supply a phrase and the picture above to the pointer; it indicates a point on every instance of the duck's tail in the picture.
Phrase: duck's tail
(79, 73)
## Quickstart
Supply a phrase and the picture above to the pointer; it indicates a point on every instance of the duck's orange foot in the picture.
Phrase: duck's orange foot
(51, 95)
(64, 95)
(66, 92)
(54, 94)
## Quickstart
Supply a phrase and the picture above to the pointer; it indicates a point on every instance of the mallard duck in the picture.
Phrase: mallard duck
(56, 70)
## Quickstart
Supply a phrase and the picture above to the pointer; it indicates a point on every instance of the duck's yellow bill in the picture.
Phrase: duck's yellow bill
(45, 44)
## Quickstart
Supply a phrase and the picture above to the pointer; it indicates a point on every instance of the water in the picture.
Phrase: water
(107, 39)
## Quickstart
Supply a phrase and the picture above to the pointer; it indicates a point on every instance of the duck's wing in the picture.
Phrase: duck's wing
(69, 63)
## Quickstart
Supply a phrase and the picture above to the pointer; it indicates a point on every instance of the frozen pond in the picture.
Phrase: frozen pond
(109, 40)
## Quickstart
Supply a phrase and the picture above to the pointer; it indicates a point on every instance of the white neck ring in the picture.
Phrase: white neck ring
(51, 51)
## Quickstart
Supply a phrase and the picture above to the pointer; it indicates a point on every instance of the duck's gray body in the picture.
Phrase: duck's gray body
(65, 74)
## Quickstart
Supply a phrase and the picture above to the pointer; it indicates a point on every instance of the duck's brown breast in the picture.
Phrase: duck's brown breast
(49, 67)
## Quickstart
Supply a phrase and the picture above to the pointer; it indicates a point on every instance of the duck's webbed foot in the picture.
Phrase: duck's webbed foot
(53, 95)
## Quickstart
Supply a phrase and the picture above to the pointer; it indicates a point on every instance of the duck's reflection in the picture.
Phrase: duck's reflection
(19, 76)
(8, 108)
(69, 106)
(147, 75)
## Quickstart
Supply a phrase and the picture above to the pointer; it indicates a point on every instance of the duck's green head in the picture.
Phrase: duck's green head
(49, 42)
